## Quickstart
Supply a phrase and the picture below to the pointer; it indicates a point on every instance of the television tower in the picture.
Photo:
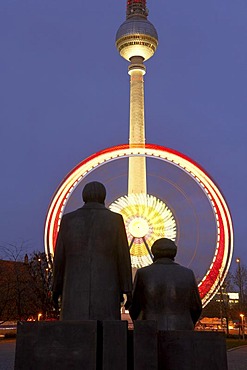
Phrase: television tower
(136, 41)
(146, 217)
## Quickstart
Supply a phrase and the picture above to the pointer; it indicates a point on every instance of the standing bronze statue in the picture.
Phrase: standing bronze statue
(165, 291)
(92, 268)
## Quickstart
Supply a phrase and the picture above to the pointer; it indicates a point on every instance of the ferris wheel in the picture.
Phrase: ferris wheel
(184, 204)
(159, 191)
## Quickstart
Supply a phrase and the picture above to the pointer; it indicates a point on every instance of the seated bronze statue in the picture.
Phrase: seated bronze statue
(165, 291)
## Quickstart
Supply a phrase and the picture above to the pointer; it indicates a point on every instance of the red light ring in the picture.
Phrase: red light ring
(222, 258)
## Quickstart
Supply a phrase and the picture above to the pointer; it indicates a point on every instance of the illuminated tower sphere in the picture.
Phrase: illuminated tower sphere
(136, 37)
(136, 41)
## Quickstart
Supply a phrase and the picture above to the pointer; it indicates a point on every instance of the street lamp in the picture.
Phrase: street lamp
(242, 324)
(240, 284)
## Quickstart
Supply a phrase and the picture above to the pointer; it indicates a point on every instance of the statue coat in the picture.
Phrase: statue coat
(168, 293)
(92, 266)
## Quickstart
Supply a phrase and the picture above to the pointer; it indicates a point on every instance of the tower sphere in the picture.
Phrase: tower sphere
(136, 37)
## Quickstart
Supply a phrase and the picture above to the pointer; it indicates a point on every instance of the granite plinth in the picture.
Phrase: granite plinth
(56, 345)
(114, 345)
(191, 350)
(145, 345)
(107, 345)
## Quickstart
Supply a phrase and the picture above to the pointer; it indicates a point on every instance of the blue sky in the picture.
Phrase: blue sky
(64, 94)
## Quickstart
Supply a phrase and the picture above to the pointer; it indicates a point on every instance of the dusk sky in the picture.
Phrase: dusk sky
(64, 95)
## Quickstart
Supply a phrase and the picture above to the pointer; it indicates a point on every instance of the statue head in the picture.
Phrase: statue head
(164, 247)
(94, 192)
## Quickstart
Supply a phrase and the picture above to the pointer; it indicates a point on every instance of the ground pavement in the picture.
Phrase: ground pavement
(7, 354)
(237, 357)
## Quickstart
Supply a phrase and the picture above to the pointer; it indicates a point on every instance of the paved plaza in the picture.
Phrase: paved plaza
(237, 357)
(7, 354)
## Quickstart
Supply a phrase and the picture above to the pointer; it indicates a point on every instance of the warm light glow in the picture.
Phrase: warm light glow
(136, 68)
(241, 315)
(136, 45)
(211, 282)
(238, 260)
(145, 216)
(138, 227)
(233, 296)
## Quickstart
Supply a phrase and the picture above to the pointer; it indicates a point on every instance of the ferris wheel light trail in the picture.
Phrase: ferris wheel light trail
(224, 245)
(146, 219)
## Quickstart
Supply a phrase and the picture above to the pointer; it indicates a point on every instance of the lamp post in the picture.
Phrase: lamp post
(240, 284)
(242, 324)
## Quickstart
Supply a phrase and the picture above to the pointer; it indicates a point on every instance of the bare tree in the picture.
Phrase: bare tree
(239, 278)
(25, 284)
(41, 272)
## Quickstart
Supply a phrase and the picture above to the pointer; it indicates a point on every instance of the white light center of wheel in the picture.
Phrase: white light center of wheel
(138, 227)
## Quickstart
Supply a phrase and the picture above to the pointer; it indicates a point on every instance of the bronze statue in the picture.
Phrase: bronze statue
(165, 291)
(92, 267)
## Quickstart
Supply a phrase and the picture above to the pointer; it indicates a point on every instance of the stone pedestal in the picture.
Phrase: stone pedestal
(145, 345)
(108, 345)
(64, 345)
(114, 345)
(191, 350)
(56, 345)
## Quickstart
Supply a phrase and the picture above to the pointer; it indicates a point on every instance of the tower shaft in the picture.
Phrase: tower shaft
(137, 182)
(136, 41)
